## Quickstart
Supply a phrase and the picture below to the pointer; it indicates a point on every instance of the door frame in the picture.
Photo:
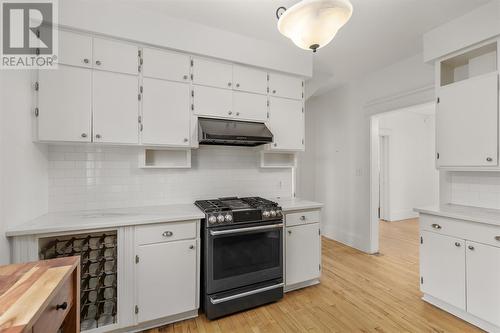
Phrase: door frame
(384, 167)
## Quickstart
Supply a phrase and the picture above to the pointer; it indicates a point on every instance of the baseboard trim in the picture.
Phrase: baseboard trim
(301, 285)
(159, 322)
(462, 314)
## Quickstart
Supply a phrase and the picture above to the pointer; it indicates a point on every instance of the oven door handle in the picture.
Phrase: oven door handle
(247, 293)
(237, 231)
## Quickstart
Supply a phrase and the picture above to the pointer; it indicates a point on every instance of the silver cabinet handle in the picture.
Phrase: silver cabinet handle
(276, 145)
(85, 61)
(289, 232)
(457, 244)
(489, 159)
(237, 113)
(230, 112)
(436, 226)
(302, 218)
(237, 85)
(98, 62)
(84, 135)
(98, 136)
(274, 91)
(168, 234)
(229, 84)
(186, 140)
(497, 238)
(247, 293)
(191, 247)
(471, 247)
(185, 77)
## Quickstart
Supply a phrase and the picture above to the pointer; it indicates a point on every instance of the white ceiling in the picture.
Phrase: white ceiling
(380, 32)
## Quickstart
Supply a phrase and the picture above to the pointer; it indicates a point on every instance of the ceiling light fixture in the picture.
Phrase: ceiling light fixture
(312, 24)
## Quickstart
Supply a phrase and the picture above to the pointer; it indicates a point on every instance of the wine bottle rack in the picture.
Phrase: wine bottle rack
(98, 259)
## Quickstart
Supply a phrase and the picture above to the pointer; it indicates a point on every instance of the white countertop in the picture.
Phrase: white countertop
(120, 217)
(106, 218)
(474, 214)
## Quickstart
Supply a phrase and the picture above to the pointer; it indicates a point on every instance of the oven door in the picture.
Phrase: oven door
(243, 255)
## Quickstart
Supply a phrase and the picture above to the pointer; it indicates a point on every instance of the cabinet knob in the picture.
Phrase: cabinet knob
(274, 91)
(436, 226)
(84, 135)
(168, 234)
(289, 232)
(185, 77)
(457, 244)
(471, 248)
(237, 85)
(276, 145)
(98, 136)
(230, 112)
(489, 159)
(186, 140)
(237, 113)
(85, 61)
(98, 62)
(302, 218)
(62, 306)
(497, 238)
(229, 84)
(191, 247)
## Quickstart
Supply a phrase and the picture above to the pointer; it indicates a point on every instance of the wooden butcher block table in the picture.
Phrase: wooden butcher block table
(41, 296)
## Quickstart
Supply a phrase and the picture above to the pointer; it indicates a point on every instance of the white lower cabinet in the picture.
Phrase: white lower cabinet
(443, 268)
(302, 252)
(483, 281)
(459, 275)
(166, 279)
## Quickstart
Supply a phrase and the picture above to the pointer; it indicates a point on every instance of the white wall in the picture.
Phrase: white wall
(341, 129)
(23, 171)
(413, 178)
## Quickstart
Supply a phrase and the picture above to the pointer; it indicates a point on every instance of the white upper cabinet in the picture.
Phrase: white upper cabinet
(249, 79)
(165, 113)
(212, 73)
(165, 65)
(467, 123)
(64, 104)
(75, 49)
(483, 281)
(213, 102)
(442, 268)
(116, 108)
(286, 122)
(115, 56)
(286, 86)
(248, 106)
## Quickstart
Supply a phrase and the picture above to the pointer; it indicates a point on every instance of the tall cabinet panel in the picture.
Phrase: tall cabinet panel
(286, 122)
(64, 104)
(212, 73)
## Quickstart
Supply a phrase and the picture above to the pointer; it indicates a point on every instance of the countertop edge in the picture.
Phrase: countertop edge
(459, 216)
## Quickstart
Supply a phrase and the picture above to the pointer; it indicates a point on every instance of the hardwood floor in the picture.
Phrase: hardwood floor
(358, 293)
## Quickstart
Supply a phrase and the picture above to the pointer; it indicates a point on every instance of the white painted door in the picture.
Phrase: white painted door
(116, 108)
(115, 56)
(483, 282)
(286, 122)
(467, 122)
(250, 79)
(75, 49)
(65, 104)
(285, 86)
(247, 106)
(166, 279)
(165, 65)
(212, 73)
(165, 113)
(442, 268)
(213, 102)
(303, 253)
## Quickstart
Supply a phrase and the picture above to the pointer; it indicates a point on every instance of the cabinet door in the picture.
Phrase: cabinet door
(248, 106)
(442, 268)
(285, 86)
(165, 65)
(303, 253)
(75, 49)
(115, 56)
(483, 282)
(212, 73)
(286, 122)
(165, 113)
(65, 104)
(166, 279)
(249, 79)
(116, 108)
(467, 122)
(213, 102)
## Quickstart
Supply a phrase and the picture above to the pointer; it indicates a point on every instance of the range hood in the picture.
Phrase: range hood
(232, 133)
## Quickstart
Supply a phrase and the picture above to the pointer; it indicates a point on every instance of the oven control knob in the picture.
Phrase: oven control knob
(228, 218)
(278, 212)
(273, 213)
(220, 218)
(212, 219)
(266, 214)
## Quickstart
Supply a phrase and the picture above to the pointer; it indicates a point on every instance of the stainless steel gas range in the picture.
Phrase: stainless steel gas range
(242, 254)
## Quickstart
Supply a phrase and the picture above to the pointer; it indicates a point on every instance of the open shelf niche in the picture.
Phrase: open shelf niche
(163, 158)
(269, 159)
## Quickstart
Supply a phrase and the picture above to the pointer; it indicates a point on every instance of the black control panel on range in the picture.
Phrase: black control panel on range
(233, 210)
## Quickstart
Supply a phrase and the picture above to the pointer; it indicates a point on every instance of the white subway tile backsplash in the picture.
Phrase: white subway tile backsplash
(90, 177)
(478, 189)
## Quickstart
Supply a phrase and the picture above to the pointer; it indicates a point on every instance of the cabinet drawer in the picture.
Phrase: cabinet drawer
(52, 318)
(302, 218)
(478, 232)
(165, 232)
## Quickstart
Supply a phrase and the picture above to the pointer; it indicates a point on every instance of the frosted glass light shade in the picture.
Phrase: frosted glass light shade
(312, 24)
